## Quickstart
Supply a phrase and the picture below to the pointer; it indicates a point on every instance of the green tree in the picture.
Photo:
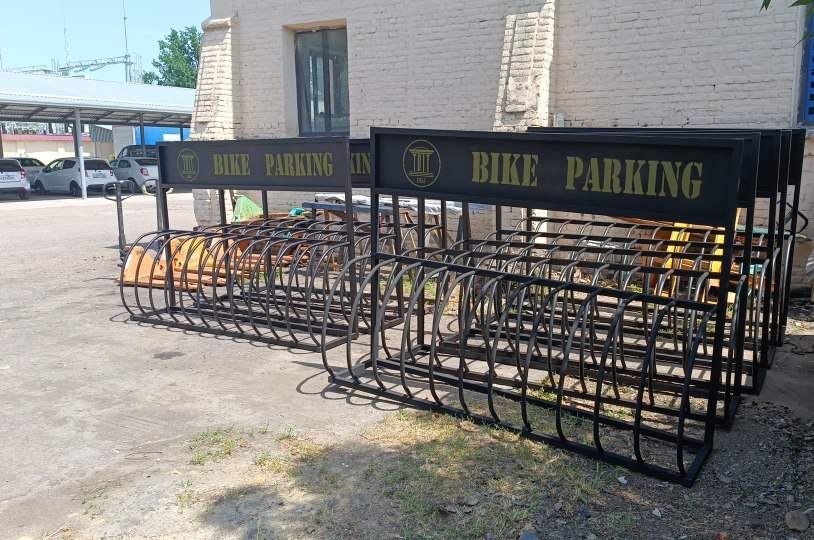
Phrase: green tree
(808, 3)
(766, 3)
(178, 56)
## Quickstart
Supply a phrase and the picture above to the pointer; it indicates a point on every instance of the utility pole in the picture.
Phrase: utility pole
(65, 37)
(128, 76)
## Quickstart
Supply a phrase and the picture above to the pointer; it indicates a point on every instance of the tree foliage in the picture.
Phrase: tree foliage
(809, 4)
(178, 56)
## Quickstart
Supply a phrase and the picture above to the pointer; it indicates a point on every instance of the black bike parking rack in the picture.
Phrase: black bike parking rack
(263, 280)
(769, 257)
(627, 338)
(535, 343)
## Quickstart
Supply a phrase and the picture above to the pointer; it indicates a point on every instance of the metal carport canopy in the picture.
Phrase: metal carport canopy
(26, 97)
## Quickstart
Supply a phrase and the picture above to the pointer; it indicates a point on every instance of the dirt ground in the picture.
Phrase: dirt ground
(118, 430)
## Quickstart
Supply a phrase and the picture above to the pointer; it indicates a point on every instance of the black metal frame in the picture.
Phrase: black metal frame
(225, 257)
(771, 163)
(422, 268)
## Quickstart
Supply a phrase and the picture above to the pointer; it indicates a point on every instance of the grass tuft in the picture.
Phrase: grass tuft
(213, 445)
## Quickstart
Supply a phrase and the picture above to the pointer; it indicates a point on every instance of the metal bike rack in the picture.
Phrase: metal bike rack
(112, 191)
(530, 335)
(264, 280)
(779, 166)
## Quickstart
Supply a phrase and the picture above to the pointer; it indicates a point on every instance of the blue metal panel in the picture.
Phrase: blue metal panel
(808, 89)
(155, 134)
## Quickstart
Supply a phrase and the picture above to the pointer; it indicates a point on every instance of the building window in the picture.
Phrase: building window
(808, 78)
(322, 81)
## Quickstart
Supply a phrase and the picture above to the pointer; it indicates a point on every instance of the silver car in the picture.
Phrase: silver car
(64, 175)
(13, 178)
(137, 174)
(32, 167)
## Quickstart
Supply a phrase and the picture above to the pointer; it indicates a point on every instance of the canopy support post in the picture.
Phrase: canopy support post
(77, 144)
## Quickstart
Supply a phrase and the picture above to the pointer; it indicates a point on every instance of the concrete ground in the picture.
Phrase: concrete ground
(97, 412)
(86, 396)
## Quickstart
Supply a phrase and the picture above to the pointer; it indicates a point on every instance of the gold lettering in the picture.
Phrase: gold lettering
(493, 159)
(633, 176)
(592, 176)
(530, 170)
(269, 164)
(217, 164)
(300, 164)
(652, 176)
(480, 167)
(510, 169)
(613, 168)
(575, 168)
(309, 164)
(329, 163)
(670, 177)
(691, 187)
(288, 159)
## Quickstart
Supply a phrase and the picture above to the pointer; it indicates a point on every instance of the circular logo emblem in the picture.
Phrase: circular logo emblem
(421, 163)
(187, 164)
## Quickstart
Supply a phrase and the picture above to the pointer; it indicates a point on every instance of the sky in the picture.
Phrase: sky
(33, 30)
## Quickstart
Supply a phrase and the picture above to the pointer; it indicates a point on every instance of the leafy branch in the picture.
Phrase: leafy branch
(808, 4)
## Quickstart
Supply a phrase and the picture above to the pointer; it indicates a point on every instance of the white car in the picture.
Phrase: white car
(13, 178)
(32, 167)
(136, 173)
(63, 175)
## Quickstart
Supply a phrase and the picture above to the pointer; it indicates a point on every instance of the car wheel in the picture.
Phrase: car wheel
(132, 186)
(39, 188)
(23, 195)
(75, 190)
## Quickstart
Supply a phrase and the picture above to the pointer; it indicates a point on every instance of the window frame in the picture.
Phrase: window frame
(326, 77)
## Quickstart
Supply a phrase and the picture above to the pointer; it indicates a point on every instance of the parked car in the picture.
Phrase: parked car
(13, 178)
(134, 150)
(32, 167)
(62, 175)
(136, 173)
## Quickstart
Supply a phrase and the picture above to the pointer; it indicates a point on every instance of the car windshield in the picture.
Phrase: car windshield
(30, 162)
(9, 165)
(136, 151)
(145, 162)
(96, 164)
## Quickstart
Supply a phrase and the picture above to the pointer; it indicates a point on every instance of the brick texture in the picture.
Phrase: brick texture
(507, 64)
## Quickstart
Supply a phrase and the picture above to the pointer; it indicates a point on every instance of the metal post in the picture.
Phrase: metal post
(1, 143)
(141, 134)
(77, 142)
(180, 133)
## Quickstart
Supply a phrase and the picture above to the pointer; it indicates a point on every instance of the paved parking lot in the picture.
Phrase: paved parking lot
(119, 430)
(88, 398)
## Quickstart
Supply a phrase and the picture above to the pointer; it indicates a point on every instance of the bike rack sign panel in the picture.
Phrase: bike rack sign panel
(646, 177)
(360, 163)
(281, 164)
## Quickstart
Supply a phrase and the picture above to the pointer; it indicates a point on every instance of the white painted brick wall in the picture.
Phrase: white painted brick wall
(213, 116)
(668, 63)
(411, 64)
(465, 65)
(676, 63)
